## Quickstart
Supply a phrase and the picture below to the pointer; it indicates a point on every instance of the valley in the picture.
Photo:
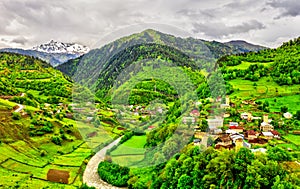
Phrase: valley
(152, 110)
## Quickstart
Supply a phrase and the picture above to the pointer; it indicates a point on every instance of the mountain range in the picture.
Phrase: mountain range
(57, 53)
(52, 52)
(100, 62)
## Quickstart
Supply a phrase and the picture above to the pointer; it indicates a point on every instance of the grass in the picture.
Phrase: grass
(136, 141)
(128, 161)
(245, 65)
(266, 88)
(293, 139)
(130, 152)
(292, 102)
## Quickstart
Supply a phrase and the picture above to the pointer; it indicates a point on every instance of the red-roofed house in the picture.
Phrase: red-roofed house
(276, 134)
(251, 135)
(238, 129)
(195, 113)
(151, 127)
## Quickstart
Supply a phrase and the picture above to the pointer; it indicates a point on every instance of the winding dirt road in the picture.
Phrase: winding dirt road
(90, 175)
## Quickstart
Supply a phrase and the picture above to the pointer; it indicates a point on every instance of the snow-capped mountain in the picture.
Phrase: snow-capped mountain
(53, 52)
(59, 47)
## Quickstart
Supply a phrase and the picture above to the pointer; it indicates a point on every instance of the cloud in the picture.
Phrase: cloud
(87, 22)
(287, 7)
(20, 40)
(219, 30)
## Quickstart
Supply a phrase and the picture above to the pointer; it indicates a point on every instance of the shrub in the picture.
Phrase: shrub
(113, 173)
(16, 115)
(56, 140)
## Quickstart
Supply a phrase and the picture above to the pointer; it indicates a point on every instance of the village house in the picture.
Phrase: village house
(195, 113)
(223, 141)
(196, 142)
(238, 143)
(227, 103)
(260, 150)
(189, 120)
(217, 131)
(246, 116)
(215, 123)
(287, 115)
(237, 129)
(267, 135)
(151, 127)
(265, 126)
(251, 135)
(276, 134)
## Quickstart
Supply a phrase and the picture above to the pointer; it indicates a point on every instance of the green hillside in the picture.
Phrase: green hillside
(87, 69)
(267, 73)
(37, 127)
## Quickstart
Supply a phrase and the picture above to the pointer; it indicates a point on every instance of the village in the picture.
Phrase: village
(222, 132)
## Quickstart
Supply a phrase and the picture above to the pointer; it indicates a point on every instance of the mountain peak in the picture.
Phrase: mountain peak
(59, 47)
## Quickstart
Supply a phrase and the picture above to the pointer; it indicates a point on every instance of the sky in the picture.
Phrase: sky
(27, 23)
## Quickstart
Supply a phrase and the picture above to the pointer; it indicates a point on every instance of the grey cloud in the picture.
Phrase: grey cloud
(219, 29)
(287, 7)
(20, 40)
(87, 22)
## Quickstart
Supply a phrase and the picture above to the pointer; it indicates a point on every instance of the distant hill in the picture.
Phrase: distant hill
(244, 46)
(53, 52)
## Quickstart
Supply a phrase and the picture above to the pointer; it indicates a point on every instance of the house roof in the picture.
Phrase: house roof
(267, 133)
(275, 132)
(195, 111)
(251, 132)
(236, 127)
(233, 123)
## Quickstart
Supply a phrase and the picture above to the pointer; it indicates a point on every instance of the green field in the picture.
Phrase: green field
(295, 139)
(245, 65)
(265, 88)
(292, 102)
(130, 152)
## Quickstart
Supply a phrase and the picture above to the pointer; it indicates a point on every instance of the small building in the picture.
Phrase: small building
(276, 134)
(265, 127)
(238, 129)
(215, 123)
(233, 124)
(246, 145)
(197, 142)
(224, 140)
(218, 131)
(58, 176)
(261, 150)
(267, 135)
(246, 116)
(195, 113)
(151, 127)
(189, 120)
(287, 115)
(250, 135)
(229, 131)
(238, 143)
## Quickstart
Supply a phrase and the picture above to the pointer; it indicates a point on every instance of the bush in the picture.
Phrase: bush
(56, 140)
(85, 186)
(113, 173)
(16, 115)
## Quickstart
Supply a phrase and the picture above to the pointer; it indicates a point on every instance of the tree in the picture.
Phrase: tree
(284, 109)
(184, 182)
(297, 115)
